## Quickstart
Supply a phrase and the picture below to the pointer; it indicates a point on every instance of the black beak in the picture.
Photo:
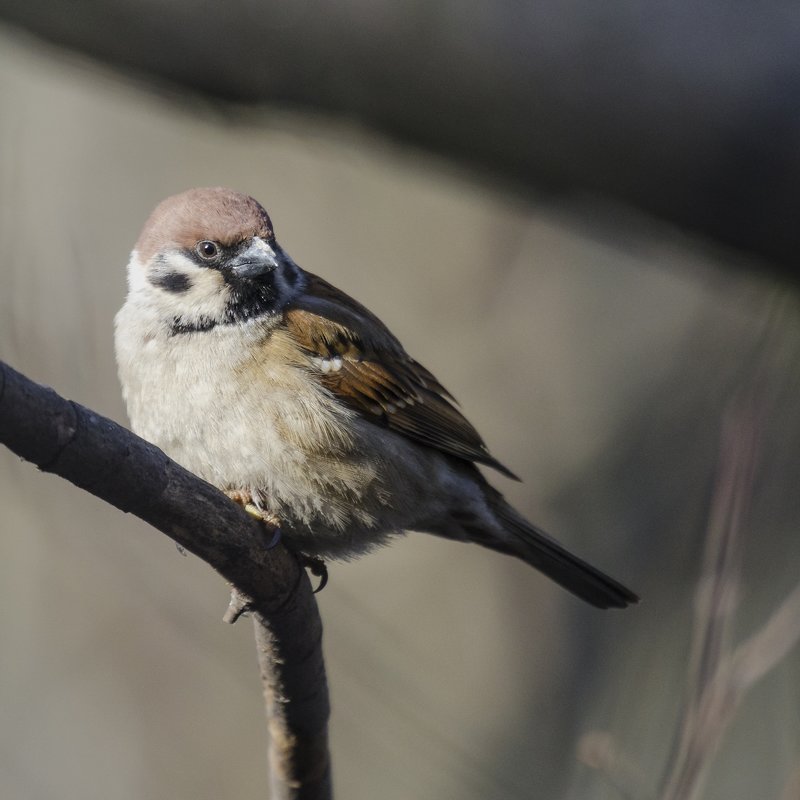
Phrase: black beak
(257, 259)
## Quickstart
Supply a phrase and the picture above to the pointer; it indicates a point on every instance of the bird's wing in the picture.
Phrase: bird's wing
(364, 365)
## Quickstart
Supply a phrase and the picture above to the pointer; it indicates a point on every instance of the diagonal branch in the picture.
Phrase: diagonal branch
(112, 463)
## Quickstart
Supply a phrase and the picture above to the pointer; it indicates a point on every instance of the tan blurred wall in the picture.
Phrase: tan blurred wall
(579, 344)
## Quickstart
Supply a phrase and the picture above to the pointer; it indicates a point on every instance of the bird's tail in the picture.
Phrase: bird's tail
(541, 551)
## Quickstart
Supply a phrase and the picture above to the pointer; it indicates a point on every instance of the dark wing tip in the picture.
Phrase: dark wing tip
(612, 595)
(492, 462)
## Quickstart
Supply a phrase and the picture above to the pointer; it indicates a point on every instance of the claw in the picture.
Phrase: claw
(317, 567)
(276, 537)
(270, 521)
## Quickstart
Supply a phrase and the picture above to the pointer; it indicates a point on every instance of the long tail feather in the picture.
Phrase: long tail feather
(536, 548)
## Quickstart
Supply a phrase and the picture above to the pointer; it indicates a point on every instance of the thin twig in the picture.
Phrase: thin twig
(702, 726)
(600, 750)
(718, 675)
(113, 464)
(756, 656)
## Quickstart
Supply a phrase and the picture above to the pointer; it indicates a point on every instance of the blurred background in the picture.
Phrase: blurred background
(583, 221)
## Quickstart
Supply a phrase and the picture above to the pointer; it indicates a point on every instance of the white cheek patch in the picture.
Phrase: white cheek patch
(178, 288)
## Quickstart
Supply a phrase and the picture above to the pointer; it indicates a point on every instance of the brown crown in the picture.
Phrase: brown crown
(218, 214)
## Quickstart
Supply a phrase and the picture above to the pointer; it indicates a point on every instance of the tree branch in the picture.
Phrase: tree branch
(96, 454)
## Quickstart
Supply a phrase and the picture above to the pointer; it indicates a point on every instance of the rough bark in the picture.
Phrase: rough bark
(102, 457)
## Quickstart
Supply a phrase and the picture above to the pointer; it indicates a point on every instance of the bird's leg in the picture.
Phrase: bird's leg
(270, 521)
(316, 566)
(245, 500)
(239, 604)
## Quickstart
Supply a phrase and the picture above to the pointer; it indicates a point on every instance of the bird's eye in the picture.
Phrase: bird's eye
(207, 250)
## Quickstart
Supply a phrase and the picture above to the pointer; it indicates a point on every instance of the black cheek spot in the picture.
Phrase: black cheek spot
(175, 282)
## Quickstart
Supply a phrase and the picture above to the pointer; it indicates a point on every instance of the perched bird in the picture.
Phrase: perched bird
(281, 390)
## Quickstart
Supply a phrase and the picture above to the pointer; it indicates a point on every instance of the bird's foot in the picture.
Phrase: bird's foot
(316, 566)
(270, 521)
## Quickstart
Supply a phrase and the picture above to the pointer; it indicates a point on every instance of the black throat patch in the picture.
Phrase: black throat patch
(248, 300)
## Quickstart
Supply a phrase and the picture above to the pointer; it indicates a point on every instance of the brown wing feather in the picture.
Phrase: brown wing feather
(377, 377)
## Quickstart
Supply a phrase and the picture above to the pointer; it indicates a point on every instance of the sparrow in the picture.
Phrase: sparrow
(281, 390)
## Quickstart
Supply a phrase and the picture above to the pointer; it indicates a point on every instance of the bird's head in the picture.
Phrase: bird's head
(208, 257)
